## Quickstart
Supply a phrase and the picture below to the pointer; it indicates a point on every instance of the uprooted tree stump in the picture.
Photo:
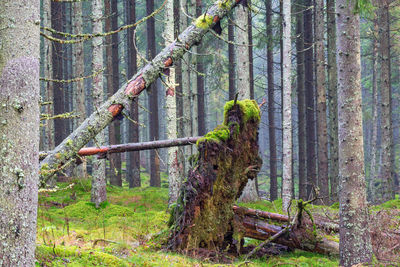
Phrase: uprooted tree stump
(227, 158)
(205, 217)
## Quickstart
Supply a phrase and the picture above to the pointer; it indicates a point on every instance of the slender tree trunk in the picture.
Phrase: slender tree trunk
(287, 107)
(98, 193)
(243, 80)
(133, 172)
(174, 166)
(79, 93)
(153, 99)
(113, 86)
(355, 242)
(48, 71)
(301, 102)
(193, 81)
(309, 86)
(271, 105)
(322, 129)
(374, 138)
(19, 130)
(187, 112)
(57, 21)
(332, 102)
(201, 114)
(231, 59)
(250, 38)
(386, 191)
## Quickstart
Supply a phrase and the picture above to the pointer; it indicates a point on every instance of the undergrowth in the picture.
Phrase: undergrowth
(129, 228)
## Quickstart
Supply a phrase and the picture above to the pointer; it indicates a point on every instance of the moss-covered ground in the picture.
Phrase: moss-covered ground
(129, 228)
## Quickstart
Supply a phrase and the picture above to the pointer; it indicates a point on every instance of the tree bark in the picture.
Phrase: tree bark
(175, 168)
(309, 85)
(322, 129)
(57, 22)
(332, 102)
(231, 59)
(114, 134)
(66, 152)
(355, 245)
(301, 96)
(271, 105)
(243, 79)
(98, 191)
(287, 107)
(386, 187)
(79, 93)
(153, 99)
(133, 172)
(19, 130)
(201, 114)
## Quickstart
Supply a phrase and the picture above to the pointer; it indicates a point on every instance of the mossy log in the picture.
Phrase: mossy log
(227, 158)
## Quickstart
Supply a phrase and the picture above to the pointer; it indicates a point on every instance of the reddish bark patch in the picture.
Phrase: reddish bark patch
(115, 109)
(87, 151)
(136, 86)
(168, 62)
(170, 92)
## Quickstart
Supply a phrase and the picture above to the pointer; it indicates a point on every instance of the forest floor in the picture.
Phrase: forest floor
(128, 230)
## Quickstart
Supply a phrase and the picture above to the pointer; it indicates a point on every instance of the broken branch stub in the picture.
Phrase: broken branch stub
(203, 215)
(67, 151)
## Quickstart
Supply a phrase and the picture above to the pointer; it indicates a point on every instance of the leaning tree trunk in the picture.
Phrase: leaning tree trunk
(65, 153)
(227, 159)
(19, 130)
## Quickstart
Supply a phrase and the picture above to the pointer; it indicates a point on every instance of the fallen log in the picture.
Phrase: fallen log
(66, 152)
(328, 226)
(104, 150)
(302, 237)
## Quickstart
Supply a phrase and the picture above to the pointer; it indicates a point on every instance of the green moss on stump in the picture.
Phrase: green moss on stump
(220, 133)
(249, 107)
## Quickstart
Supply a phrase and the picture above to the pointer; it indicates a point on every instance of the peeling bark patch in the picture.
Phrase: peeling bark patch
(168, 62)
(170, 91)
(136, 86)
(115, 109)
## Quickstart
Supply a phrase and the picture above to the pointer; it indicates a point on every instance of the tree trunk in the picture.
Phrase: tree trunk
(98, 193)
(287, 107)
(79, 93)
(153, 99)
(309, 86)
(301, 96)
(110, 109)
(201, 114)
(332, 102)
(271, 105)
(231, 59)
(386, 187)
(243, 79)
(57, 22)
(175, 169)
(48, 71)
(19, 130)
(114, 133)
(322, 129)
(355, 245)
(374, 137)
(187, 112)
(133, 172)
(228, 157)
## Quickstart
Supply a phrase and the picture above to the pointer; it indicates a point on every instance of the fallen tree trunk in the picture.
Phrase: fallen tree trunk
(327, 226)
(104, 150)
(66, 152)
(302, 237)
